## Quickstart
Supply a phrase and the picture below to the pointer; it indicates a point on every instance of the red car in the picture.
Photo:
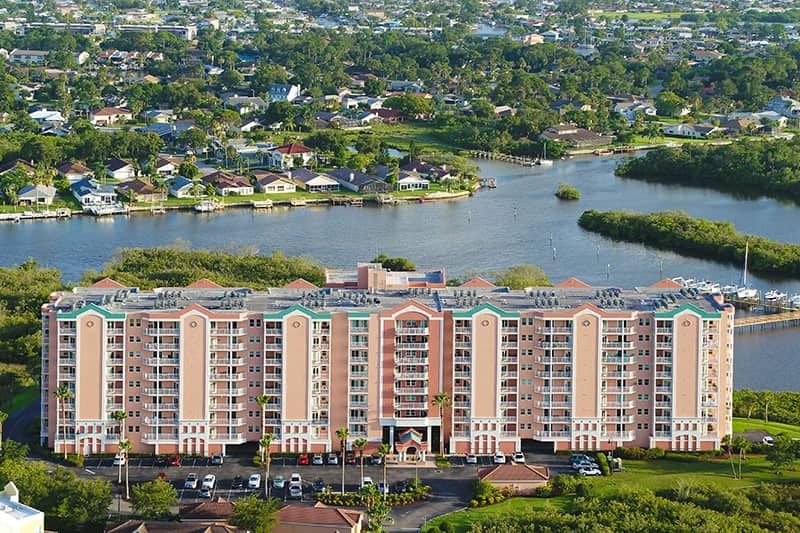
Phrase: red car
(351, 459)
(175, 460)
(303, 459)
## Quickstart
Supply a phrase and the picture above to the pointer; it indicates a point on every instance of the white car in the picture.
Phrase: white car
(191, 481)
(383, 488)
(333, 459)
(296, 492)
(278, 482)
(499, 459)
(295, 479)
(317, 459)
(472, 459)
(367, 481)
(119, 460)
(578, 466)
(590, 471)
(519, 458)
(209, 482)
(769, 441)
(254, 481)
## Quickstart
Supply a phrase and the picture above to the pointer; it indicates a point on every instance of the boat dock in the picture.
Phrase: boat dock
(505, 158)
(33, 215)
(772, 320)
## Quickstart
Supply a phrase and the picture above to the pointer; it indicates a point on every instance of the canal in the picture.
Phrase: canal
(519, 222)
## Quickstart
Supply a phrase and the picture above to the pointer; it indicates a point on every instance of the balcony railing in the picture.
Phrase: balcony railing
(463, 345)
(150, 421)
(620, 436)
(664, 331)
(619, 360)
(618, 390)
(408, 360)
(160, 406)
(508, 344)
(412, 345)
(152, 438)
(554, 374)
(115, 331)
(411, 390)
(359, 373)
(412, 331)
(614, 345)
(553, 330)
(67, 331)
(226, 361)
(228, 346)
(618, 419)
(412, 375)
(461, 330)
(228, 392)
(114, 346)
(359, 329)
(662, 434)
(462, 390)
(663, 345)
(554, 390)
(554, 345)
(226, 377)
(359, 358)
(552, 434)
(320, 347)
(664, 390)
(662, 404)
(463, 359)
(173, 391)
(226, 406)
(162, 331)
(273, 331)
(411, 405)
(359, 344)
(461, 405)
(232, 438)
(154, 346)
(462, 373)
(358, 403)
(229, 331)
(619, 331)
(554, 419)
(272, 346)
(171, 376)
(156, 361)
(228, 422)
(618, 405)
(627, 374)
(553, 360)
(664, 359)
(271, 376)
(508, 359)
(553, 405)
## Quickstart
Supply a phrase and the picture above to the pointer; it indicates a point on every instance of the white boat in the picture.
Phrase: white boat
(729, 289)
(744, 292)
(774, 295)
(543, 161)
(680, 281)
(794, 300)
(205, 206)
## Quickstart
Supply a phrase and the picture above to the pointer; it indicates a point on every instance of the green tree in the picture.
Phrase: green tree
(383, 452)
(120, 417)
(63, 393)
(230, 78)
(342, 434)
(374, 87)
(3, 418)
(188, 170)
(377, 509)
(521, 276)
(397, 264)
(359, 444)
(153, 499)
(783, 453)
(124, 451)
(264, 445)
(443, 401)
(255, 515)
(669, 104)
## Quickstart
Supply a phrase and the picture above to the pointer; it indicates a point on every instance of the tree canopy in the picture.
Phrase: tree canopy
(520, 276)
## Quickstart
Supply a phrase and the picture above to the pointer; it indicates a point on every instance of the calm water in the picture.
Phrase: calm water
(512, 224)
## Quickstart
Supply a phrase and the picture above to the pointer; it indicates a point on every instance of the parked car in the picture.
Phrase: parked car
(237, 483)
(317, 459)
(302, 459)
(768, 440)
(333, 459)
(351, 459)
(217, 459)
(366, 481)
(206, 492)
(160, 460)
(589, 471)
(320, 486)
(519, 458)
(209, 481)
(119, 460)
(376, 459)
(383, 488)
(295, 479)
(191, 481)
(499, 458)
(471, 459)
(254, 481)
(578, 466)
(296, 492)
(278, 482)
(580, 458)
(175, 460)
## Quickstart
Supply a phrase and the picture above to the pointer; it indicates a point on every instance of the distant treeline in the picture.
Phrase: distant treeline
(754, 167)
(678, 232)
(776, 406)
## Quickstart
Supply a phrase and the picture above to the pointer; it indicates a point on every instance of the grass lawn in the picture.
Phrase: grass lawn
(462, 520)
(776, 428)
(24, 397)
(426, 136)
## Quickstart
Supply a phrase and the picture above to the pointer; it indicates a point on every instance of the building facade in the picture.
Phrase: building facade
(571, 366)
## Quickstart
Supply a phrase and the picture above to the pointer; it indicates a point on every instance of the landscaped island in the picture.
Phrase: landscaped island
(697, 237)
(753, 167)
(566, 191)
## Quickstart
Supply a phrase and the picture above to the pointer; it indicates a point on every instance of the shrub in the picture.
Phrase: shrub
(473, 503)
(564, 484)
(656, 453)
(602, 462)
(446, 527)
(583, 489)
(544, 491)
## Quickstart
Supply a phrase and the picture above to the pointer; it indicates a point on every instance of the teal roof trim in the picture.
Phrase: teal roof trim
(355, 314)
(688, 307)
(92, 307)
(299, 308)
(485, 307)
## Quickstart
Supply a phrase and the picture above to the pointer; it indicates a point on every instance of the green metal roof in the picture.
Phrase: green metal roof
(299, 308)
(690, 308)
(485, 307)
(92, 307)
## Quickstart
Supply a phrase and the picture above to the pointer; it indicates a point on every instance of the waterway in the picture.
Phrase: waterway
(519, 222)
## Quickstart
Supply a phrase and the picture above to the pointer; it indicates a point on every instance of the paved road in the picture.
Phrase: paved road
(17, 425)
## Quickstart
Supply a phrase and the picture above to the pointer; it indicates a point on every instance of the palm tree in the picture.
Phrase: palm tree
(63, 393)
(120, 417)
(359, 444)
(442, 401)
(342, 434)
(383, 451)
(263, 400)
(265, 443)
(125, 448)
(3, 418)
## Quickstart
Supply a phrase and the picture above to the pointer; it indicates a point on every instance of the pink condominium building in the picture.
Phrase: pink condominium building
(571, 366)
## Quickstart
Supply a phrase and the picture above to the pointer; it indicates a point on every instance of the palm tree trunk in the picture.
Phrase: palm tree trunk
(441, 431)
(64, 426)
(266, 481)
(127, 485)
(343, 468)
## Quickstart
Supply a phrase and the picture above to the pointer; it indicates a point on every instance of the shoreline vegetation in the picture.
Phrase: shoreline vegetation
(566, 191)
(750, 167)
(696, 237)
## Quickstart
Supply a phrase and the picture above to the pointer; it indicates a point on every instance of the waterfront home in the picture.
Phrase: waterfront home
(159, 115)
(73, 172)
(138, 190)
(47, 117)
(575, 136)
(166, 167)
(788, 107)
(181, 187)
(356, 181)
(691, 131)
(432, 172)
(411, 181)
(313, 182)
(36, 195)
(229, 184)
(290, 156)
(107, 116)
(273, 183)
(90, 193)
(630, 108)
(119, 169)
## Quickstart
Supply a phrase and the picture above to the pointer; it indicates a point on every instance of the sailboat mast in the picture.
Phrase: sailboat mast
(744, 271)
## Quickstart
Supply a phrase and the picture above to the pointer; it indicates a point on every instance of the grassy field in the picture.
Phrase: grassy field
(776, 428)
(462, 520)
(21, 399)
(426, 137)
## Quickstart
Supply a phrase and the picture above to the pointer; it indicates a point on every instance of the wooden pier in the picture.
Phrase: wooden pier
(772, 320)
(506, 158)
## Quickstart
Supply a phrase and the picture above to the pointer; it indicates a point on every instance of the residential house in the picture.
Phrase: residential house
(563, 106)
(288, 155)
(18, 165)
(629, 108)
(532, 38)
(390, 116)
(28, 57)
(142, 191)
(740, 126)
(273, 183)
(313, 182)
(228, 184)
(575, 136)
(17, 517)
(159, 115)
(169, 131)
(504, 111)
(36, 195)
(90, 193)
(520, 478)
(318, 519)
(106, 116)
(406, 86)
(181, 187)
(788, 107)
(431, 172)
(360, 182)
(245, 104)
(691, 131)
(155, 526)
(551, 36)
(706, 56)
(119, 169)
(73, 171)
(166, 167)
(47, 117)
(217, 509)
(251, 125)
(282, 92)
(411, 181)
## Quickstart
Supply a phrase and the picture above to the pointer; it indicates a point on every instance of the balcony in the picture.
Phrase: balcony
(114, 346)
(554, 390)
(554, 345)
(229, 331)
(412, 345)
(553, 374)
(618, 420)
(662, 434)
(554, 330)
(359, 373)
(273, 331)
(462, 390)
(462, 373)
(320, 347)
(162, 438)
(359, 358)
(319, 360)
(156, 346)
(226, 361)
(509, 344)
(618, 405)
(663, 346)
(508, 374)
(358, 388)
(618, 390)
(623, 436)
(172, 391)
(664, 359)
(171, 376)
(160, 421)
(67, 331)
(358, 329)
(115, 331)
(710, 344)
(509, 389)
(411, 405)
(161, 331)
(411, 390)
(275, 347)
(664, 331)
(664, 390)
(273, 361)
(228, 438)
(66, 361)
(619, 360)
(619, 331)
(625, 374)
(553, 405)
(359, 344)
(461, 330)
(461, 404)
(272, 376)
(228, 392)
(411, 375)
(228, 422)
(66, 345)
(463, 345)
(663, 404)
(226, 377)
(664, 419)
(551, 360)
(228, 346)
(358, 419)
(509, 404)
(410, 360)
(161, 361)
(358, 403)
(462, 359)
(554, 419)
(616, 345)
(160, 406)
(552, 434)
(508, 359)
(114, 407)
(412, 331)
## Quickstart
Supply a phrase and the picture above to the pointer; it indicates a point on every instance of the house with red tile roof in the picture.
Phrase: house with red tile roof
(522, 479)
(286, 156)
(318, 519)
